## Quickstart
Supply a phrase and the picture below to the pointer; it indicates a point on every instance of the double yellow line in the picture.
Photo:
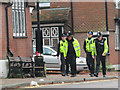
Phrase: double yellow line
(70, 83)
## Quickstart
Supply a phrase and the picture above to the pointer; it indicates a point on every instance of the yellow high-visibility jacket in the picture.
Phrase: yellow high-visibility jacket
(76, 46)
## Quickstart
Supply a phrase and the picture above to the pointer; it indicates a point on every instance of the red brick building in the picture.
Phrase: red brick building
(91, 16)
(86, 16)
(16, 19)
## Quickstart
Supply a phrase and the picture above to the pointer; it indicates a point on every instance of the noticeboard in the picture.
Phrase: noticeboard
(44, 3)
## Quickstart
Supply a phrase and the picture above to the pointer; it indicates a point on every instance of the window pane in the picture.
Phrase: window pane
(34, 50)
(19, 22)
(46, 41)
(47, 51)
(54, 32)
(55, 41)
(13, 21)
(16, 22)
(46, 32)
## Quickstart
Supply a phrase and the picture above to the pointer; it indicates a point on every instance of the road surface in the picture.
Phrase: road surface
(88, 84)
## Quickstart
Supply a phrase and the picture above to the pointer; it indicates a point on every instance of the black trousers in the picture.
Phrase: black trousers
(63, 63)
(71, 60)
(90, 63)
(102, 59)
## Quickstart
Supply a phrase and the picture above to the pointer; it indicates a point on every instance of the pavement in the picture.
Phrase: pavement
(54, 79)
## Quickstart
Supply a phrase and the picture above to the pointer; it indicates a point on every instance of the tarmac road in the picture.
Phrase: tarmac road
(113, 83)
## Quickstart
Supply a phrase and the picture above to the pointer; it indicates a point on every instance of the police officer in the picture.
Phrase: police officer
(72, 52)
(88, 46)
(101, 51)
(61, 50)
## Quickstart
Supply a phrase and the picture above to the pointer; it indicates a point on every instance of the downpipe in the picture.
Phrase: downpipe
(7, 29)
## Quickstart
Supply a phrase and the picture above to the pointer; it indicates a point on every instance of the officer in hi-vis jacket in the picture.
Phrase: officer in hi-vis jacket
(101, 50)
(71, 53)
(61, 51)
(89, 44)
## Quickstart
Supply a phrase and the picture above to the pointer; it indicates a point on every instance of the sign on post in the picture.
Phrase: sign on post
(44, 3)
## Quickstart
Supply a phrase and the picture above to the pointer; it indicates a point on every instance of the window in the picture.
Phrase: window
(117, 41)
(50, 36)
(117, 4)
(19, 22)
(34, 50)
(47, 51)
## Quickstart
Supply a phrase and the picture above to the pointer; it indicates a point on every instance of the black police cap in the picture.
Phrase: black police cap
(91, 33)
(63, 35)
(99, 34)
(69, 34)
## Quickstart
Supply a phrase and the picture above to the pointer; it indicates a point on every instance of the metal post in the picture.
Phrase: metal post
(72, 17)
(38, 19)
(39, 38)
(106, 13)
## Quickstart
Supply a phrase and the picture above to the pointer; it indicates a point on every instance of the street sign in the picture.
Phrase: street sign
(44, 3)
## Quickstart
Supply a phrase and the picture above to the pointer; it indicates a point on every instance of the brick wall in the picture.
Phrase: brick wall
(1, 30)
(89, 15)
(18, 46)
(4, 40)
(111, 16)
(113, 54)
(21, 46)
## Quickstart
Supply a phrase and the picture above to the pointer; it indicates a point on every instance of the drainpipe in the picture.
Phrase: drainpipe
(106, 13)
(7, 29)
(72, 17)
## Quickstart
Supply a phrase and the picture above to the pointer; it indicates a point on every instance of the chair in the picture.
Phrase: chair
(14, 65)
(27, 66)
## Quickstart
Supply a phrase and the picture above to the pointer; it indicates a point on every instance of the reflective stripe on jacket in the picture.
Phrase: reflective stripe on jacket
(105, 48)
(76, 46)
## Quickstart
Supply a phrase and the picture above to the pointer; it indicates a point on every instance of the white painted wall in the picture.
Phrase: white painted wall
(117, 67)
(3, 68)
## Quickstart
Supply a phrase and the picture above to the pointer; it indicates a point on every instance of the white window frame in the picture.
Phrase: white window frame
(48, 31)
(117, 41)
(44, 41)
(19, 20)
(54, 28)
(117, 4)
(52, 41)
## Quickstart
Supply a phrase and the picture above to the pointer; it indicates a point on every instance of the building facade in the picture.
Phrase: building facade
(15, 32)
(89, 16)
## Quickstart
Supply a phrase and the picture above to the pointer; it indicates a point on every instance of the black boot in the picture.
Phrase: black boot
(67, 74)
(104, 75)
(92, 75)
(73, 75)
(96, 75)
(63, 74)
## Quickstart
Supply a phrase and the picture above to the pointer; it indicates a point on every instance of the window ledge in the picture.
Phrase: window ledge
(117, 49)
(20, 37)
